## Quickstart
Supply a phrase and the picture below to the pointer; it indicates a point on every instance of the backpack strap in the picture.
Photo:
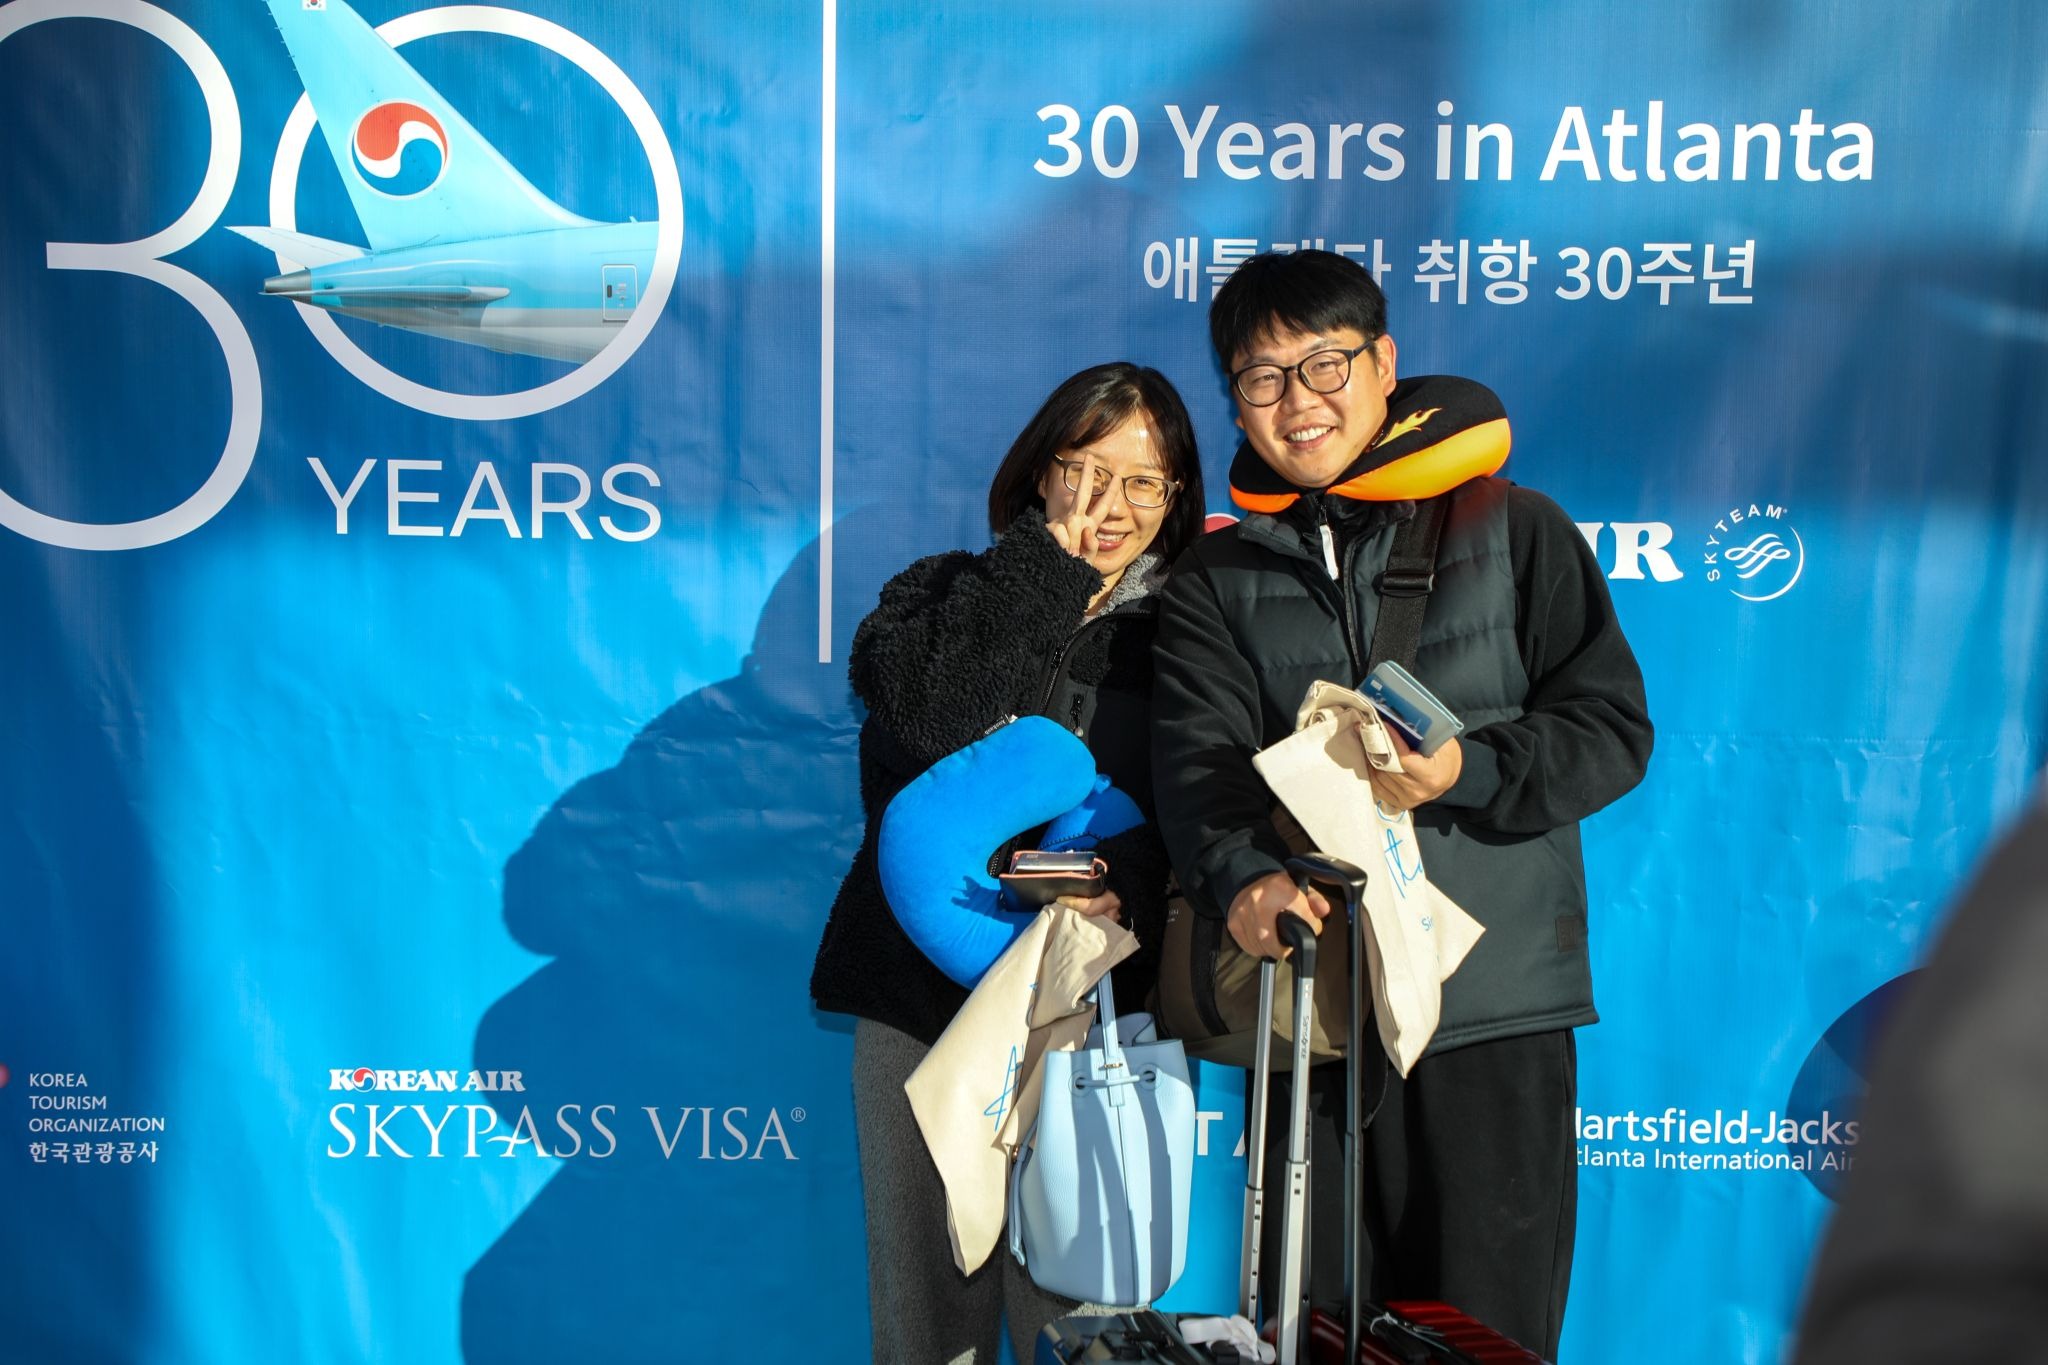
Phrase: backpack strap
(1405, 584)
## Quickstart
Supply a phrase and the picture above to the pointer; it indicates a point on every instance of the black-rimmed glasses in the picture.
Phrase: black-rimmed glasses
(1140, 490)
(1324, 372)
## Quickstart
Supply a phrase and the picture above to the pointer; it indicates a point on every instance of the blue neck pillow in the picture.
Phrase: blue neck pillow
(937, 835)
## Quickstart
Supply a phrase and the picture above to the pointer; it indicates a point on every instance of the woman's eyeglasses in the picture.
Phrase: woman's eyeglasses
(1140, 490)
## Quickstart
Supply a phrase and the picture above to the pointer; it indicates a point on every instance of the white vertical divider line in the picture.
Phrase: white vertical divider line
(826, 323)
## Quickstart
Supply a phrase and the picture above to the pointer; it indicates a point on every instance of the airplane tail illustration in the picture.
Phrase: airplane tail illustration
(414, 169)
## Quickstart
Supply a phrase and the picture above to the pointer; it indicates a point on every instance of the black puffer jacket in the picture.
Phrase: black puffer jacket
(1520, 640)
(959, 643)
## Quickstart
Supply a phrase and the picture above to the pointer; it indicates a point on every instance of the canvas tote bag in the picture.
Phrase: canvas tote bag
(1416, 935)
(977, 1091)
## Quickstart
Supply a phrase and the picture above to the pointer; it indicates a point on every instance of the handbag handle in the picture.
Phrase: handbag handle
(1114, 1068)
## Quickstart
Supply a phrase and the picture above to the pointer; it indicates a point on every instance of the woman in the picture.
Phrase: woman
(1096, 496)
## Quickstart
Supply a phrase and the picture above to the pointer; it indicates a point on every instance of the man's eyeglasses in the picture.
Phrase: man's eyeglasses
(1324, 372)
(1140, 490)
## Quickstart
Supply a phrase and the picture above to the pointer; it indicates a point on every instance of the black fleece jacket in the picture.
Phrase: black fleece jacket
(959, 643)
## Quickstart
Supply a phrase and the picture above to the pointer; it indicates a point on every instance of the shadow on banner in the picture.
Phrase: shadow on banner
(680, 895)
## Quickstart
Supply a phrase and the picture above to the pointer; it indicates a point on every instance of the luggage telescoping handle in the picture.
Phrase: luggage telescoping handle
(1330, 871)
(1297, 935)
(1300, 937)
(1255, 1162)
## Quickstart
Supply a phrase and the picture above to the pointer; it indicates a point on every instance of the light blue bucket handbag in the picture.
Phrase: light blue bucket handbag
(1099, 1193)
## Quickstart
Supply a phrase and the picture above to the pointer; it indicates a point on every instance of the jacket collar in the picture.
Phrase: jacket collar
(1294, 530)
(1135, 590)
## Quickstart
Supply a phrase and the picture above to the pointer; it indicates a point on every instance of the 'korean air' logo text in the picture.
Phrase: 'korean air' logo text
(374, 1078)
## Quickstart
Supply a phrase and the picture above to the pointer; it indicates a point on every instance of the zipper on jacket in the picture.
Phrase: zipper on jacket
(999, 860)
(1351, 641)
(1059, 660)
(1343, 596)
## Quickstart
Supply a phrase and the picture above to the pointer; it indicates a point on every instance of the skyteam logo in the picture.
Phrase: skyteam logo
(1756, 552)
(399, 149)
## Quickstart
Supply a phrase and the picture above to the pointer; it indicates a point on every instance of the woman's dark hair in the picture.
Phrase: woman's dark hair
(1309, 291)
(1087, 407)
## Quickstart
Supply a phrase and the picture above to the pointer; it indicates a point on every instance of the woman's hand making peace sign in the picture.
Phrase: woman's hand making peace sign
(1073, 516)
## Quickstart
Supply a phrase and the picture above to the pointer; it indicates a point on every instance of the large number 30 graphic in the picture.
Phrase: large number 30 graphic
(144, 258)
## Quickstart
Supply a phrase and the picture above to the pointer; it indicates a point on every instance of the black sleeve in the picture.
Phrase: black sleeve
(956, 637)
(1214, 809)
(1584, 737)
(1138, 873)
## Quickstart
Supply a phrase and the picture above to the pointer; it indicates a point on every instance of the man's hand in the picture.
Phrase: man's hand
(1421, 780)
(1255, 910)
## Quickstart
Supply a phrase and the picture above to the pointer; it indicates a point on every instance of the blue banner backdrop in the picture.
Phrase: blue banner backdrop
(431, 757)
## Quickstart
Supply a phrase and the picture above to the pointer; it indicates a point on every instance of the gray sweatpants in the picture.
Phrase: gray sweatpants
(924, 1311)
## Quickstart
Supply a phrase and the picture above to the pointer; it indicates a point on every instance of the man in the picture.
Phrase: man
(1939, 1250)
(1470, 1168)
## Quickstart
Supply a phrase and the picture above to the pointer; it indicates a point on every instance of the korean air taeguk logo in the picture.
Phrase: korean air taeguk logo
(399, 149)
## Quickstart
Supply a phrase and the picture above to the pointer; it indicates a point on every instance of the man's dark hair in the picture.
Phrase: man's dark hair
(1309, 291)
(1087, 407)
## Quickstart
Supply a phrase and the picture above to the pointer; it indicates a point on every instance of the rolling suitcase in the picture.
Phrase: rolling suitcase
(1401, 1332)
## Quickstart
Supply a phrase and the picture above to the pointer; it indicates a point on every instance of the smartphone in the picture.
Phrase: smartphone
(1041, 876)
(1410, 708)
(1046, 860)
